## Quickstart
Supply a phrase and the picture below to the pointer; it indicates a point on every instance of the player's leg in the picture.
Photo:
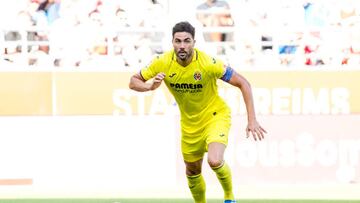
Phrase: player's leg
(217, 139)
(196, 181)
(193, 150)
(223, 173)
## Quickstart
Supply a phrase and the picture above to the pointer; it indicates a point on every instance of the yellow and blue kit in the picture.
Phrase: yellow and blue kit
(205, 117)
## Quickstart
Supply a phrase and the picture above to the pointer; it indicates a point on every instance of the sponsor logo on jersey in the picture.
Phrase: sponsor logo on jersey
(186, 86)
(172, 75)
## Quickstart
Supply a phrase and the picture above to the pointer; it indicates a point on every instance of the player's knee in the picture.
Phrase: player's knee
(193, 168)
(192, 171)
(215, 162)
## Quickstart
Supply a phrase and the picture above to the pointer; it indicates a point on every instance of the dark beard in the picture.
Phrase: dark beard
(187, 55)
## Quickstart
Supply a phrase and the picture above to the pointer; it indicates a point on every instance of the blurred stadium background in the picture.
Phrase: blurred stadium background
(71, 128)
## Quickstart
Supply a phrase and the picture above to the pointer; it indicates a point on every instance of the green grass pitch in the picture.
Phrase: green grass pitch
(164, 201)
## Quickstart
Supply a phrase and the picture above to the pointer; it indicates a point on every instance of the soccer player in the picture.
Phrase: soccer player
(191, 76)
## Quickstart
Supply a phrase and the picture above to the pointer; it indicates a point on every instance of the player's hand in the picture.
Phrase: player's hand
(157, 81)
(255, 130)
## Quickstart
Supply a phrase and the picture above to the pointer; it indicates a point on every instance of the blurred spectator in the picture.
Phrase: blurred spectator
(46, 13)
(154, 18)
(352, 50)
(215, 14)
(121, 18)
(154, 14)
(316, 13)
(50, 9)
(290, 45)
(17, 48)
(313, 49)
(98, 40)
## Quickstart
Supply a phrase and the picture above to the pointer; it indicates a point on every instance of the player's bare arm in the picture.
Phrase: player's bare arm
(253, 126)
(138, 83)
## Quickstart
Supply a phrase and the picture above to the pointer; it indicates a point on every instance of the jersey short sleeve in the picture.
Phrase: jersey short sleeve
(218, 67)
(152, 69)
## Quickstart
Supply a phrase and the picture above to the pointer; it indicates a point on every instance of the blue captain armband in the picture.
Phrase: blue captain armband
(228, 73)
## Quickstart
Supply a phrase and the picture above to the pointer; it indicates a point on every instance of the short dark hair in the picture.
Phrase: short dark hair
(184, 26)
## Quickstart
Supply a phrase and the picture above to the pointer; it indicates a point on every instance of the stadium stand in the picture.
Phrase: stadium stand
(126, 34)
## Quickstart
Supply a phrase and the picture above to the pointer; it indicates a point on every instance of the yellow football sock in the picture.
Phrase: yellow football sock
(223, 173)
(197, 187)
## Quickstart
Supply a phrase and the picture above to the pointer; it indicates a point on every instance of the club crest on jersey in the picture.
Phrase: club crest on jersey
(197, 76)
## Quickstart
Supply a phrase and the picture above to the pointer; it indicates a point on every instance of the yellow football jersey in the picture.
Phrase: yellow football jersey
(194, 86)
